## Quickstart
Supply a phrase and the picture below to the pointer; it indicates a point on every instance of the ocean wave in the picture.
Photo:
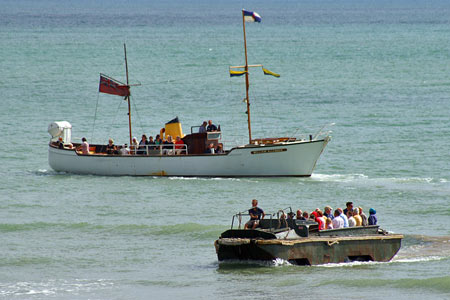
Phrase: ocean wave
(53, 287)
(440, 284)
(191, 230)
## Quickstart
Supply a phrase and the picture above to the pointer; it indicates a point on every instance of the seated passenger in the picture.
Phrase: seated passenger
(256, 214)
(357, 217)
(305, 215)
(84, 146)
(328, 224)
(363, 217)
(299, 215)
(343, 217)
(320, 220)
(328, 212)
(151, 143)
(158, 140)
(142, 150)
(111, 148)
(211, 127)
(202, 128)
(179, 146)
(168, 146)
(351, 221)
(337, 222)
(219, 149)
(124, 150)
(60, 143)
(372, 217)
(134, 146)
(210, 149)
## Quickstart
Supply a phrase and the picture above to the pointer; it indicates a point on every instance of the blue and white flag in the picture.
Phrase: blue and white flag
(251, 16)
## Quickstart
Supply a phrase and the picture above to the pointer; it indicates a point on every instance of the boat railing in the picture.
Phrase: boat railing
(323, 131)
(280, 215)
(162, 149)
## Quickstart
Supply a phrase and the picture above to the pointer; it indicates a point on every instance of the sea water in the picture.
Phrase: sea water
(379, 70)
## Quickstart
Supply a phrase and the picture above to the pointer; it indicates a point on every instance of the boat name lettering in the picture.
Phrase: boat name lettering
(269, 151)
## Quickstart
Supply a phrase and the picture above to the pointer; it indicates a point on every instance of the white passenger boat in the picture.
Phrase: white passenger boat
(284, 156)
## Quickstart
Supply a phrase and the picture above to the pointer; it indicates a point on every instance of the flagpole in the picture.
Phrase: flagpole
(247, 84)
(128, 97)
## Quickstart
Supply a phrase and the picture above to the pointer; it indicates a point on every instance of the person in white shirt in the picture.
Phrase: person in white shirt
(337, 222)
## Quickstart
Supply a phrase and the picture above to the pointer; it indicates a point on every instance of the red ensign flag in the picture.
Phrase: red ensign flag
(110, 86)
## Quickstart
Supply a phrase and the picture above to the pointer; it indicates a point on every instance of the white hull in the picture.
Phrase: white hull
(284, 159)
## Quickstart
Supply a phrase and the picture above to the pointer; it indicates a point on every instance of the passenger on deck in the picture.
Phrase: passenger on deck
(84, 146)
(168, 146)
(111, 148)
(202, 128)
(124, 150)
(328, 212)
(337, 222)
(363, 217)
(357, 217)
(60, 143)
(351, 220)
(305, 215)
(320, 220)
(328, 224)
(151, 143)
(349, 206)
(211, 126)
(143, 145)
(219, 149)
(256, 214)
(372, 217)
(179, 146)
(158, 140)
(299, 215)
(134, 146)
(210, 149)
(344, 217)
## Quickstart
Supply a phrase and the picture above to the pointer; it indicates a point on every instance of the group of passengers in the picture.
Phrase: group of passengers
(208, 127)
(326, 219)
(145, 146)
(340, 218)
(165, 146)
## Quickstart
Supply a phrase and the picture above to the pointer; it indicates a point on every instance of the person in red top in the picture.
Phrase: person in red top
(179, 145)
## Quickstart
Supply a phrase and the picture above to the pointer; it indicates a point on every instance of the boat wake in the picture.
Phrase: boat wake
(420, 248)
(388, 181)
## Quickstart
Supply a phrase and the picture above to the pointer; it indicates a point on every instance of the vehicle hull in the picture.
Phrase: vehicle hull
(311, 250)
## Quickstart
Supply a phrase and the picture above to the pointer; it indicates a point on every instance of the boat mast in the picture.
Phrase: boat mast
(247, 84)
(128, 97)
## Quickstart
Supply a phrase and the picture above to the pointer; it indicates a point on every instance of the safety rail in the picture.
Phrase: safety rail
(162, 149)
(280, 214)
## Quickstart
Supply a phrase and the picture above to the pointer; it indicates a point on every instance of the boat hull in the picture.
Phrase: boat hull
(312, 250)
(287, 159)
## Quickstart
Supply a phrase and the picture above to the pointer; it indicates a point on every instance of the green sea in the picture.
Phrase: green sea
(378, 70)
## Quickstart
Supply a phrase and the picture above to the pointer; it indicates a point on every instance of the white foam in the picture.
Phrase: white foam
(417, 259)
(277, 262)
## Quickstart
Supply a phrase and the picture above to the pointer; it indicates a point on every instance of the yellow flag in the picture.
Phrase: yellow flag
(267, 72)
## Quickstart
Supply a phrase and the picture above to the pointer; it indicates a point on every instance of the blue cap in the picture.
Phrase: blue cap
(372, 211)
